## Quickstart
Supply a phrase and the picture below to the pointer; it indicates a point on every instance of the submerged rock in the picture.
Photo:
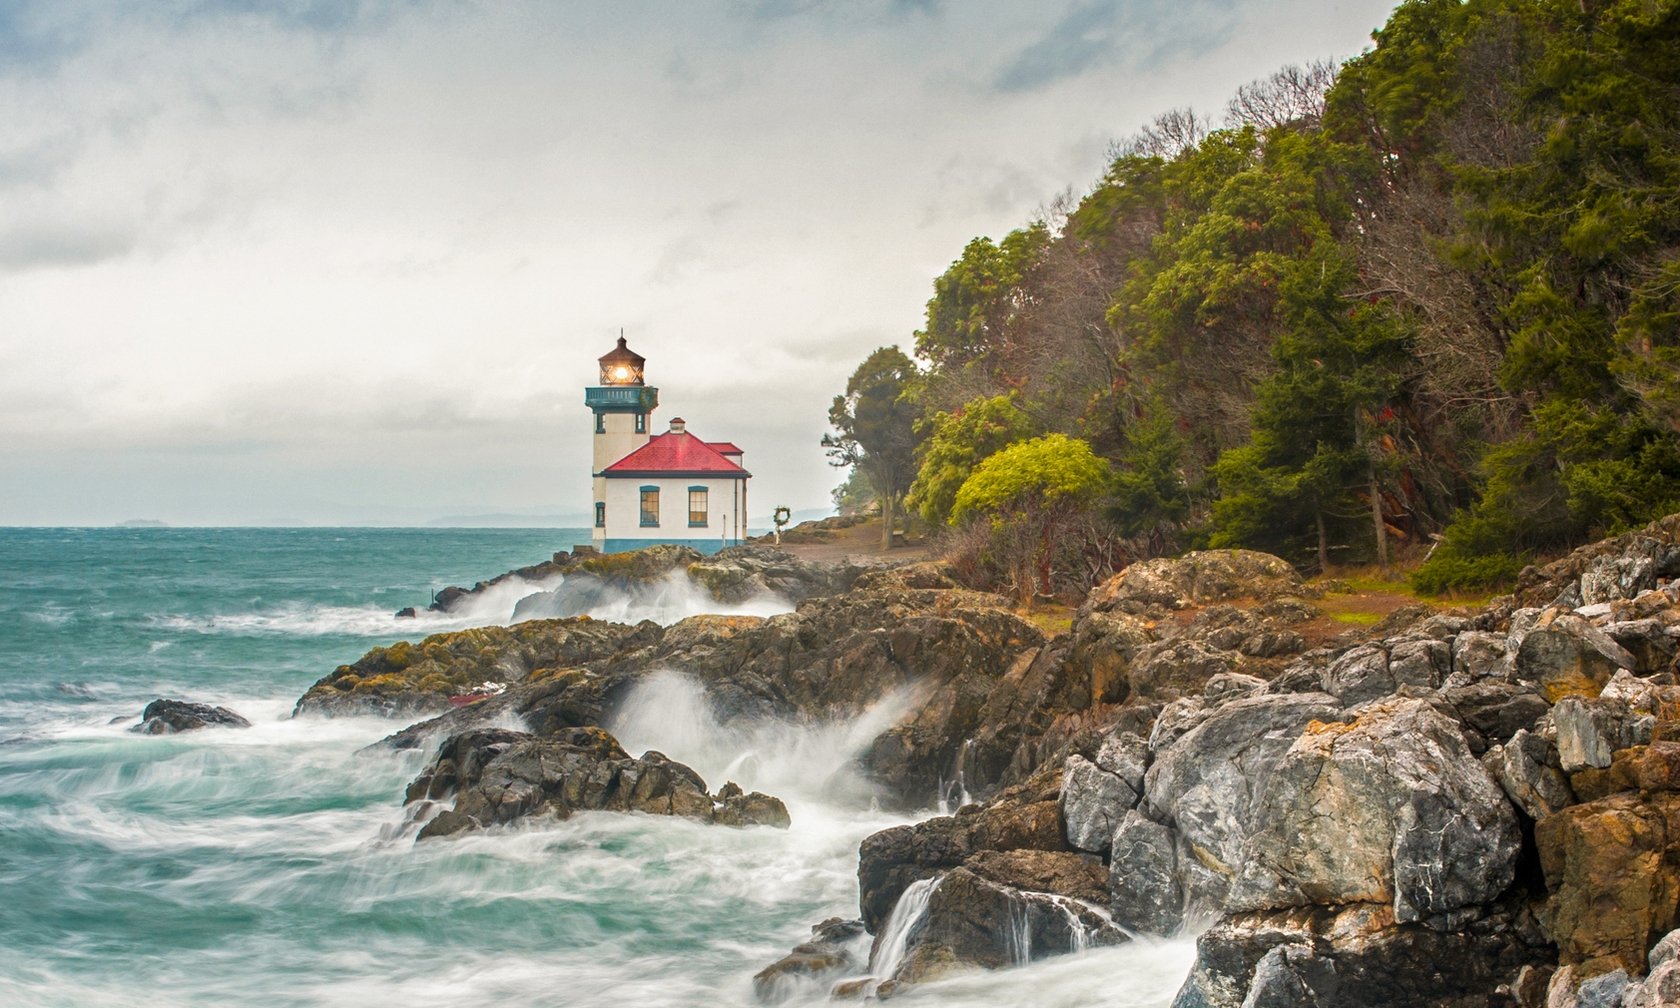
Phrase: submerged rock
(164, 717)
(813, 965)
(498, 777)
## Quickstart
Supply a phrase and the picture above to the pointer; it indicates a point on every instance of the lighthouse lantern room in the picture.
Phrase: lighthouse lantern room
(658, 488)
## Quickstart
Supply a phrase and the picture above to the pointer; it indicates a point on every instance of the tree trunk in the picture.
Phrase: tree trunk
(1377, 520)
(1323, 540)
(886, 522)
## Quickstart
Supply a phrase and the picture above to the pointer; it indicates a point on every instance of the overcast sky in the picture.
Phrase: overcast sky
(279, 261)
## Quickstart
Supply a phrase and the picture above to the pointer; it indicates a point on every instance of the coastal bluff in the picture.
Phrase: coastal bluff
(1452, 806)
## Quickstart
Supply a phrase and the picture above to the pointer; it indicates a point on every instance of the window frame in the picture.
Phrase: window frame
(705, 510)
(600, 423)
(641, 423)
(644, 494)
(600, 514)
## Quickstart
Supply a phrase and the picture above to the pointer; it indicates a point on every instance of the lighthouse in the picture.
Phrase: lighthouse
(671, 487)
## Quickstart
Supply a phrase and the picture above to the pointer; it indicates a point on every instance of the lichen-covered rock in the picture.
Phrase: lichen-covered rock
(499, 777)
(1567, 656)
(1198, 579)
(1093, 803)
(1611, 868)
(1355, 956)
(165, 717)
(1125, 755)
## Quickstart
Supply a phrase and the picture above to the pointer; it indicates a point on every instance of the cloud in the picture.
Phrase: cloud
(1138, 33)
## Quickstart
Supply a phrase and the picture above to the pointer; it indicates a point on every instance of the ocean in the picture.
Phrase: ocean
(260, 866)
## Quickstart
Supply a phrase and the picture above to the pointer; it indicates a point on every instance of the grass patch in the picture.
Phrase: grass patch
(1360, 618)
(1052, 620)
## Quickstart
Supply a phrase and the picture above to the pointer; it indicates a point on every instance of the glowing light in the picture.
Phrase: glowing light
(621, 373)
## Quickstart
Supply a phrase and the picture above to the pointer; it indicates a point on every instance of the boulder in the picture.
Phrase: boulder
(1126, 756)
(1176, 668)
(1359, 675)
(165, 717)
(1198, 578)
(972, 922)
(1521, 767)
(1143, 877)
(1648, 640)
(499, 777)
(1063, 873)
(1025, 817)
(1496, 710)
(813, 965)
(1208, 784)
(751, 808)
(1590, 731)
(1390, 805)
(1610, 867)
(1567, 656)
(1477, 655)
(1093, 803)
(739, 573)
(1355, 956)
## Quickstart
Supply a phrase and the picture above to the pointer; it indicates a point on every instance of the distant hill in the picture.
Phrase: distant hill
(142, 523)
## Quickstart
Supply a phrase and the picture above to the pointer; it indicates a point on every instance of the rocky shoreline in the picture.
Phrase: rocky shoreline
(1458, 807)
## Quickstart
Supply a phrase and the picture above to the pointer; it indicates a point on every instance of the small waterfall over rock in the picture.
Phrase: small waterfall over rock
(907, 913)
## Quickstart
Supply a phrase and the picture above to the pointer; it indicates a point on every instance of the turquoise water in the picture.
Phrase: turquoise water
(256, 867)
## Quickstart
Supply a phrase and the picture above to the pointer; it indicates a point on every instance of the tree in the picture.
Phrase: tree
(972, 301)
(1028, 494)
(877, 425)
(960, 440)
(1317, 422)
(854, 496)
(1149, 493)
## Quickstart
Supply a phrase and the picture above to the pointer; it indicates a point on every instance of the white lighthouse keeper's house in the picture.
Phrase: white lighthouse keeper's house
(659, 488)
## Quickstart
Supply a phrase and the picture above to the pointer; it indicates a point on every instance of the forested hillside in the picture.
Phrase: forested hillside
(1430, 297)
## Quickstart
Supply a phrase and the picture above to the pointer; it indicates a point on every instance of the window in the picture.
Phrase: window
(600, 423)
(600, 514)
(650, 505)
(641, 423)
(696, 507)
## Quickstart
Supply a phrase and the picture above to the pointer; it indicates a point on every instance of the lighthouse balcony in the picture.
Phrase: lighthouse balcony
(621, 398)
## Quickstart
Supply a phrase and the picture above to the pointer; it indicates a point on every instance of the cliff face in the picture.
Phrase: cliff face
(1471, 807)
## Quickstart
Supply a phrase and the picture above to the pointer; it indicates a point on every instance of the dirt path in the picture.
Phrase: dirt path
(861, 541)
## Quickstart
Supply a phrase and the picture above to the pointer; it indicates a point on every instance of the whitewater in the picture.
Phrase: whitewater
(263, 867)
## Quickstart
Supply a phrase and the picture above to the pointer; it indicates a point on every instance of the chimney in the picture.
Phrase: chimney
(678, 425)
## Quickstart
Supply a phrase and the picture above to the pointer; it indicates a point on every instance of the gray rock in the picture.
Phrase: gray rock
(1602, 991)
(1175, 721)
(1609, 578)
(1127, 756)
(1477, 654)
(1360, 675)
(1590, 731)
(1231, 685)
(1390, 807)
(1421, 663)
(1661, 989)
(1143, 877)
(1290, 976)
(1093, 802)
(1520, 767)
(1648, 641)
(166, 717)
(1211, 783)
(1665, 950)
(1496, 709)
(812, 965)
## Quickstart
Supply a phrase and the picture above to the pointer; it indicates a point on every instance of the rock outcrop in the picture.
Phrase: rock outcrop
(813, 966)
(165, 717)
(498, 777)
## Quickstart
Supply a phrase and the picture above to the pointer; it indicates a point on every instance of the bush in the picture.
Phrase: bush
(1446, 570)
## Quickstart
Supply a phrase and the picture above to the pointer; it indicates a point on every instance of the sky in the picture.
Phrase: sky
(302, 262)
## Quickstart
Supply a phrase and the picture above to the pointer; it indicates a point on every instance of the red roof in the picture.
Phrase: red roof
(674, 455)
(723, 448)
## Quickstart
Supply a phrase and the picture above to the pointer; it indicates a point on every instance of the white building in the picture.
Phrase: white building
(658, 488)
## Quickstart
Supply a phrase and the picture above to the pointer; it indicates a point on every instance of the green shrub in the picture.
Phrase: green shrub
(1447, 570)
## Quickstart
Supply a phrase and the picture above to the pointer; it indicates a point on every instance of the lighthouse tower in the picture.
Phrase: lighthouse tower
(622, 405)
(658, 488)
